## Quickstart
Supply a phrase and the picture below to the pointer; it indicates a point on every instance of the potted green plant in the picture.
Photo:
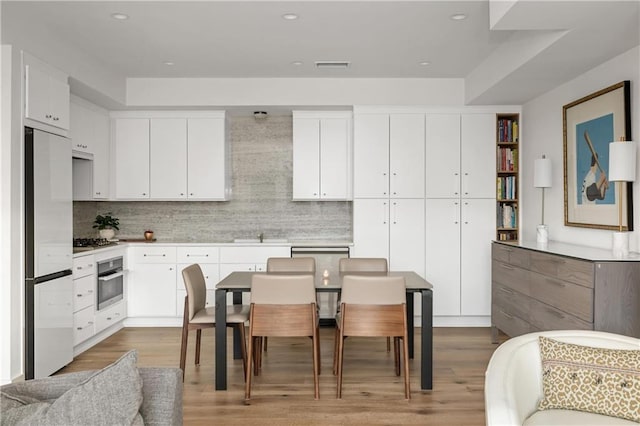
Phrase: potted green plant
(106, 225)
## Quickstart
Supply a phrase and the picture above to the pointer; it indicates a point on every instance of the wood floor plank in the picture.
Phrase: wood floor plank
(283, 393)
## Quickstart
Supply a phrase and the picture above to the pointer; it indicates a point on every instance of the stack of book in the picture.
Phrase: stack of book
(507, 130)
(507, 214)
(506, 189)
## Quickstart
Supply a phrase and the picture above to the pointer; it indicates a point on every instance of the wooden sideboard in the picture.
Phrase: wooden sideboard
(563, 286)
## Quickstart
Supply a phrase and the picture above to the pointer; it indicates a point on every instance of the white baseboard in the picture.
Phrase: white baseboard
(466, 321)
(153, 322)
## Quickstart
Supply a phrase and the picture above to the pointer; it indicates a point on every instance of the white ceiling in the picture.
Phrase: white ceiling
(380, 39)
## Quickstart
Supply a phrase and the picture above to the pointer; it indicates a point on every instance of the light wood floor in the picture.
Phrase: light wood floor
(283, 393)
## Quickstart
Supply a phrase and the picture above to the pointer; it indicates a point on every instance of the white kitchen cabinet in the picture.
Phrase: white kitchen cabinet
(84, 298)
(458, 260)
(152, 282)
(208, 166)
(171, 156)
(389, 155)
(168, 158)
(322, 156)
(89, 133)
(461, 155)
(110, 316)
(47, 97)
(393, 229)
(131, 159)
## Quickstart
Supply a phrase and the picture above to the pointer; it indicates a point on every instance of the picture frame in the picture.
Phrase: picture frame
(589, 125)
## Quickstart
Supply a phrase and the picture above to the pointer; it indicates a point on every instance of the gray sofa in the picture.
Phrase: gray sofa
(161, 392)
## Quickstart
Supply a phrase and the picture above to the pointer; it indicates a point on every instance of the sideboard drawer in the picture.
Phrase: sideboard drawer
(568, 297)
(546, 317)
(510, 301)
(508, 323)
(567, 269)
(511, 276)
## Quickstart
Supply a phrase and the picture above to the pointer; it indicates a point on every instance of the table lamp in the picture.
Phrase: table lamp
(542, 179)
(622, 168)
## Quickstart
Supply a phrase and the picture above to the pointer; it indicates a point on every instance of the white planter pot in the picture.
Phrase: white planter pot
(107, 233)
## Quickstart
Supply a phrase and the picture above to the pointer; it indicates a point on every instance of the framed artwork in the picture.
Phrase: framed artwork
(589, 125)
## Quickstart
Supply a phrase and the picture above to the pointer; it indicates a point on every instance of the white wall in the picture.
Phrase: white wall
(144, 92)
(542, 134)
(11, 282)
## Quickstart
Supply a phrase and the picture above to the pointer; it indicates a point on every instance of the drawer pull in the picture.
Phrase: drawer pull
(155, 255)
(506, 314)
(506, 290)
(78, 295)
(556, 314)
(198, 255)
(555, 282)
(510, 268)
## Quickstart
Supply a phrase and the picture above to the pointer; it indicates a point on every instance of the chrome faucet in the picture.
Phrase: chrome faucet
(261, 236)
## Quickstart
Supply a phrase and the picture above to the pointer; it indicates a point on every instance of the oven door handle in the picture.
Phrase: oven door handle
(111, 276)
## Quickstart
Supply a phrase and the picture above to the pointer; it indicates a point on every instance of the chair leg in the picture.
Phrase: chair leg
(257, 353)
(396, 354)
(265, 343)
(316, 364)
(407, 390)
(335, 350)
(198, 339)
(243, 348)
(388, 344)
(247, 384)
(183, 348)
(340, 362)
(318, 350)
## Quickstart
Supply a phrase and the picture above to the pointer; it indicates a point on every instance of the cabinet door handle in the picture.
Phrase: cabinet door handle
(385, 212)
(456, 183)
(506, 314)
(395, 212)
(191, 194)
(456, 213)
(47, 116)
(465, 184)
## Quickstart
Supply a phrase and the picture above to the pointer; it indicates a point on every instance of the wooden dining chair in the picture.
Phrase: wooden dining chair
(358, 264)
(282, 305)
(374, 306)
(290, 265)
(197, 316)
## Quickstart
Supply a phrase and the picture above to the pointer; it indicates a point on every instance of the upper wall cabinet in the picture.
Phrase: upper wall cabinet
(171, 156)
(131, 159)
(461, 155)
(47, 97)
(89, 133)
(389, 159)
(322, 152)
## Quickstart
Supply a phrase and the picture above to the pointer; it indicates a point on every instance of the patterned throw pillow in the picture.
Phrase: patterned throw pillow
(596, 380)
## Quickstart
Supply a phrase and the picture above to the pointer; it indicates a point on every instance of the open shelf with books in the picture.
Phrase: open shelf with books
(507, 141)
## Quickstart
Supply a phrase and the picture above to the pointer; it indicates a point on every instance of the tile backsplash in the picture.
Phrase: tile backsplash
(261, 164)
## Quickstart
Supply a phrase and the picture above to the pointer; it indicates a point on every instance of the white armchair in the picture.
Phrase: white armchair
(513, 380)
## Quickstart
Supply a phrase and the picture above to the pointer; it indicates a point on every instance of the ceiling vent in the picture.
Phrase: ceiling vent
(332, 64)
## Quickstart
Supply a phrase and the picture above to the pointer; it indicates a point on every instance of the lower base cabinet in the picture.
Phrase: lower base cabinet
(110, 316)
(537, 289)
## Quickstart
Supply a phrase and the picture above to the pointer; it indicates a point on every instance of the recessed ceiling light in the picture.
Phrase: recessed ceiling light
(120, 16)
(169, 63)
(425, 63)
(290, 16)
(296, 63)
(458, 16)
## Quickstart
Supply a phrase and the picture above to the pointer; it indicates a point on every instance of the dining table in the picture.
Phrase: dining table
(239, 282)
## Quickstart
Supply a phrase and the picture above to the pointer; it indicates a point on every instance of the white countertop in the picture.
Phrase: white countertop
(574, 250)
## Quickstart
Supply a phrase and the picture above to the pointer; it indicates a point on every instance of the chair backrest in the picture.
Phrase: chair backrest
(363, 264)
(291, 264)
(196, 288)
(283, 289)
(373, 290)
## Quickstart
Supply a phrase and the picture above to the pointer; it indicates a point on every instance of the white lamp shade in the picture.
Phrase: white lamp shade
(542, 173)
(622, 161)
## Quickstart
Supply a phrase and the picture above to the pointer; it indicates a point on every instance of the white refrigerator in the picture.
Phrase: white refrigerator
(48, 253)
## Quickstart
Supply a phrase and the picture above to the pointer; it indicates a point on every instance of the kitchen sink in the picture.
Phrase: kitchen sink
(264, 241)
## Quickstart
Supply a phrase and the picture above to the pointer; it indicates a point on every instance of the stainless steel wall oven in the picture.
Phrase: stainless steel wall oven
(110, 282)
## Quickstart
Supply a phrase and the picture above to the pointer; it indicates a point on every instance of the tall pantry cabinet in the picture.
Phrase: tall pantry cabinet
(460, 211)
(388, 206)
